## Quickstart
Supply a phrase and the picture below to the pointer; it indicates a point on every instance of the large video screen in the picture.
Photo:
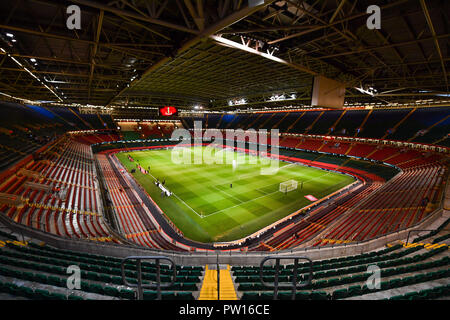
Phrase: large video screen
(168, 111)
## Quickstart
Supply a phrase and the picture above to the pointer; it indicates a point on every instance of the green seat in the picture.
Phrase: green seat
(242, 279)
(14, 290)
(184, 296)
(268, 279)
(366, 290)
(413, 267)
(354, 291)
(440, 274)
(319, 295)
(331, 273)
(446, 290)
(6, 272)
(111, 291)
(10, 286)
(266, 295)
(105, 278)
(320, 284)
(408, 281)
(428, 294)
(410, 296)
(150, 295)
(93, 276)
(340, 294)
(189, 287)
(17, 274)
(385, 285)
(421, 296)
(419, 278)
(283, 279)
(358, 278)
(245, 287)
(40, 278)
(427, 277)
(319, 275)
(96, 268)
(387, 272)
(40, 294)
(73, 297)
(175, 287)
(57, 296)
(57, 270)
(26, 292)
(250, 296)
(167, 295)
(55, 281)
(117, 280)
(127, 294)
(95, 288)
(105, 270)
(346, 280)
(302, 296)
(333, 282)
(395, 283)
(259, 287)
(28, 276)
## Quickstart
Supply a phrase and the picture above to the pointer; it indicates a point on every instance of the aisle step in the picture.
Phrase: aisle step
(209, 286)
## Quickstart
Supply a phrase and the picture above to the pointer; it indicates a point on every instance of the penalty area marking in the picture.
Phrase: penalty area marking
(268, 194)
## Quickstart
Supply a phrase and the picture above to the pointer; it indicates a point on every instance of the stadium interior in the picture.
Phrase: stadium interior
(357, 118)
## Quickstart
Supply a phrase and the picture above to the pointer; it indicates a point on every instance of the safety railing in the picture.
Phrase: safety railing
(414, 231)
(294, 283)
(218, 277)
(156, 284)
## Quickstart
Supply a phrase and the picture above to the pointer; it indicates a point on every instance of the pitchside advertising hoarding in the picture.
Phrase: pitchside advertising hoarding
(168, 111)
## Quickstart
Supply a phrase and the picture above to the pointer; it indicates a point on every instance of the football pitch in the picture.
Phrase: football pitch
(225, 202)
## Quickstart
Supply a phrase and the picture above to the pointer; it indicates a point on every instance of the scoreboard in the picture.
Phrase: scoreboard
(168, 111)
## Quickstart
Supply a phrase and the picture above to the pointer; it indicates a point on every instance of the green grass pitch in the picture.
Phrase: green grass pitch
(204, 206)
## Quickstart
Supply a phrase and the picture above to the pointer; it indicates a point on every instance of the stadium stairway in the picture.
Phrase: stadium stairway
(209, 286)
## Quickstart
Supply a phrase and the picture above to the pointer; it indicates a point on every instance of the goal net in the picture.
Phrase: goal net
(288, 186)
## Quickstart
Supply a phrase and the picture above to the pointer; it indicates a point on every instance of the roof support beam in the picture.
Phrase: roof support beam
(327, 25)
(338, 9)
(132, 15)
(226, 22)
(435, 38)
(94, 51)
(399, 44)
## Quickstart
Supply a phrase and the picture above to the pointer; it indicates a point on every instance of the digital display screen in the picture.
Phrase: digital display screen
(168, 111)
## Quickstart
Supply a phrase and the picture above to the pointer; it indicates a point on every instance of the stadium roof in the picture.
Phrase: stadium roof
(196, 52)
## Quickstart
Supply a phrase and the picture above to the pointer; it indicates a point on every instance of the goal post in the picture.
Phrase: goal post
(288, 186)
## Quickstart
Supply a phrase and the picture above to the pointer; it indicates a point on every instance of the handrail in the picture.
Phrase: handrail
(417, 230)
(218, 278)
(293, 284)
(11, 233)
(140, 285)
